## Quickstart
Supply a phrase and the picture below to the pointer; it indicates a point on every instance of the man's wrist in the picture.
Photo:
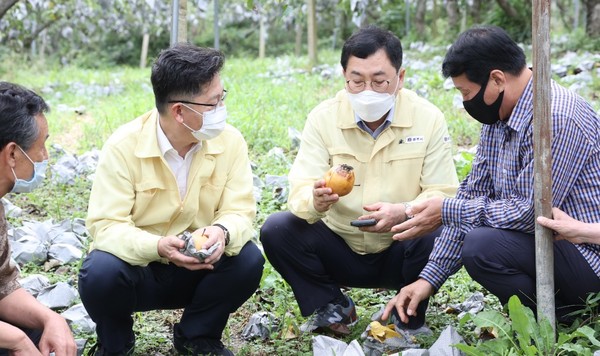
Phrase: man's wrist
(225, 233)
(406, 207)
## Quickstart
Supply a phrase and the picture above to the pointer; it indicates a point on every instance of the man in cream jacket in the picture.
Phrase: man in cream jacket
(399, 147)
(177, 168)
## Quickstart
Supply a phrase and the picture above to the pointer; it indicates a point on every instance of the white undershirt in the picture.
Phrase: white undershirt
(180, 166)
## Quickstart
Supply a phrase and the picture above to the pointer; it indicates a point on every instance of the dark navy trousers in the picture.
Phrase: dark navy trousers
(315, 262)
(503, 261)
(112, 289)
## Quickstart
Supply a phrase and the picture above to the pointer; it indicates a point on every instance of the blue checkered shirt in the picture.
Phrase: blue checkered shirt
(498, 192)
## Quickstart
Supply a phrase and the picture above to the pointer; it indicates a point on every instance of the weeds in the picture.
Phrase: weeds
(266, 98)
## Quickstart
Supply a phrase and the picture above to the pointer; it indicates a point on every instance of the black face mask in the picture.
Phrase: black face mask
(482, 112)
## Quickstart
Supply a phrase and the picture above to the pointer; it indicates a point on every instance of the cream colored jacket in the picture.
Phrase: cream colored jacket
(135, 200)
(409, 161)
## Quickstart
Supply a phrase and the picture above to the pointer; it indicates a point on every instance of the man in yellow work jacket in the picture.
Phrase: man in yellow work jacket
(177, 168)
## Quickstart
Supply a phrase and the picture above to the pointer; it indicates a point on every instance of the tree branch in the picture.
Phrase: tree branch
(5, 5)
(507, 7)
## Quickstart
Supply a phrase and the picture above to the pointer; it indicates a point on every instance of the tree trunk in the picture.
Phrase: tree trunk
(435, 12)
(298, 45)
(262, 36)
(452, 10)
(564, 13)
(592, 26)
(476, 11)
(507, 7)
(182, 30)
(5, 5)
(312, 32)
(144, 55)
(420, 18)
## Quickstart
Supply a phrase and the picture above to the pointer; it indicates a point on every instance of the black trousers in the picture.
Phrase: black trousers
(503, 261)
(112, 289)
(34, 335)
(316, 262)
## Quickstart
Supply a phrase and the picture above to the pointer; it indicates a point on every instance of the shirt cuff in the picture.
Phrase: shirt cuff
(451, 211)
(434, 274)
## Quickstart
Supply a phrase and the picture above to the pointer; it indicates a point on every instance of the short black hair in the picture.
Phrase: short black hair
(480, 50)
(369, 40)
(19, 107)
(182, 71)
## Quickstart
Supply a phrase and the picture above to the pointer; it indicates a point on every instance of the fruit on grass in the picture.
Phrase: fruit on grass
(340, 179)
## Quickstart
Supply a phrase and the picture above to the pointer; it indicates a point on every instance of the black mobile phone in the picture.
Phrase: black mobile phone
(367, 222)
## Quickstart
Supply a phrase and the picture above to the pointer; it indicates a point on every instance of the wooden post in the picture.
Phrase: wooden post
(182, 33)
(174, 21)
(178, 21)
(311, 16)
(542, 140)
(144, 55)
(216, 24)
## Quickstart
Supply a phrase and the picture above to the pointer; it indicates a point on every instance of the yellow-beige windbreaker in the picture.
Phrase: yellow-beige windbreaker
(411, 160)
(135, 200)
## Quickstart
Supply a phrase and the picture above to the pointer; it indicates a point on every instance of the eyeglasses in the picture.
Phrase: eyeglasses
(214, 106)
(356, 86)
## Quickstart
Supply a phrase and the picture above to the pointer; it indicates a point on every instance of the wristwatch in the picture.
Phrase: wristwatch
(225, 231)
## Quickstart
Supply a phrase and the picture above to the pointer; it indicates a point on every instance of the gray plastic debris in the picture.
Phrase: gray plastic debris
(34, 283)
(260, 325)
(473, 305)
(69, 166)
(65, 253)
(67, 238)
(80, 346)
(443, 345)
(295, 136)
(258, 185)
(59, 295)
(78, 319)
(374, 347)
(37, 241)
(325, 346)
(279, 186)
(11, 210)
(29, 249)
(416, 352)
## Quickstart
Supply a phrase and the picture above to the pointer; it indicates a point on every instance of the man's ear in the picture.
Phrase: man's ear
(8, 154)
(499, 78)
(401, 75)
(175, 112)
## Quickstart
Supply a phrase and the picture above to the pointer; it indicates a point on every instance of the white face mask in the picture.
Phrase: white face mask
(370, 106)
(213, 123)
(39, 174)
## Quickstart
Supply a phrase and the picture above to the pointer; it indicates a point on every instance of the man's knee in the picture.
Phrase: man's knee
(101, 272)
(275, 227)
(477, 243)
(253, 261)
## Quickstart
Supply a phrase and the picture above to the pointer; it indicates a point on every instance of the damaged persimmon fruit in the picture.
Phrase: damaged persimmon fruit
(340, 179)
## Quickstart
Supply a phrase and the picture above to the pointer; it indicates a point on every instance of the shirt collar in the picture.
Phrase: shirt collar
(387, 122)
(521, 115)
(165, 145)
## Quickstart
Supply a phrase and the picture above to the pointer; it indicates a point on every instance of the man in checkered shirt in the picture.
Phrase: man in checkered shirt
(489, 225)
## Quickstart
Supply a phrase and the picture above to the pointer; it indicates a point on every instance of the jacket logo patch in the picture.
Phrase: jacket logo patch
(415, 139)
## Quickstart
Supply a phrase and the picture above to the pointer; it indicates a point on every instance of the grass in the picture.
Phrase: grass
(265, 98)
